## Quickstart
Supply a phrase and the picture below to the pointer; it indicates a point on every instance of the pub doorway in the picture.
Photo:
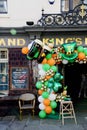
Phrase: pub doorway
(73, 79)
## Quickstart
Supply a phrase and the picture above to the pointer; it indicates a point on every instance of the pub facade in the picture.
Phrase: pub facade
(18, 74)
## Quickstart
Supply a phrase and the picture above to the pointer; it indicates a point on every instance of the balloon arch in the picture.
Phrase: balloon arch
(50, 80)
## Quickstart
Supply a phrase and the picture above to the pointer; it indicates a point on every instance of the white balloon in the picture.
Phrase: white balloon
(52, 97)
(29, 45)
(41, 106)
(65, 61)
(42, 72)
(40, 99)
(40, 66)
(81, 62)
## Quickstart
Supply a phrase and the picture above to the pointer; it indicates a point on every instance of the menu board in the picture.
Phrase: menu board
(19, 77)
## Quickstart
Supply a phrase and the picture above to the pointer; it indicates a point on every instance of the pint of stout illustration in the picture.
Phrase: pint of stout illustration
(44, 52)
(35, 49)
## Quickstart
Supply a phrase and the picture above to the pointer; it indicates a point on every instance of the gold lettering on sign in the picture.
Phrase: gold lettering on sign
(2, 42)
(86, 41)
(46, 40)
(68, 40)
(11, 42)
(79, 41)
(20, 42)
(59, 41)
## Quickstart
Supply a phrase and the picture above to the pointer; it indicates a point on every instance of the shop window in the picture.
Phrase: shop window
(3, 6)
(3, 70)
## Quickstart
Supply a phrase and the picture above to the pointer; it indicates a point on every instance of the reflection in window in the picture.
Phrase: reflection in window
(64, 5)
(3, 6)
(3, 69)
(75, 3)
(3, 54)
(67, 5)
(85, 1)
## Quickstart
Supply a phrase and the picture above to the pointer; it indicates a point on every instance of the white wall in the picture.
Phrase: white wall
(21, 11)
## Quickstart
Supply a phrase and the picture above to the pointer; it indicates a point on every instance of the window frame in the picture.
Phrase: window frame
(3, 74)
(6, 15)
(4, 8)
(70, 5)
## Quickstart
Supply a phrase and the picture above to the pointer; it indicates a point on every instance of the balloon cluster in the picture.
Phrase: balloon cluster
(48, 85)
(49, 82)
(82, 54)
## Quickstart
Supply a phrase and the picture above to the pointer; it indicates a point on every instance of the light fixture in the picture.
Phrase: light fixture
(51, 1)
(29, 23)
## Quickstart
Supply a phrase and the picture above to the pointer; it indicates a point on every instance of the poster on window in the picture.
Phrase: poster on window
(19, 77)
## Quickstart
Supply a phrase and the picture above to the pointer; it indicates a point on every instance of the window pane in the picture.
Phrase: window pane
(75, 3)
(3, 54)
(4, 70)
(65, 5)
(3, 6)
(85, 1)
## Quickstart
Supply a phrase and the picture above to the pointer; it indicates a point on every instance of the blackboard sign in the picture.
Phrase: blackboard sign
(19, 77)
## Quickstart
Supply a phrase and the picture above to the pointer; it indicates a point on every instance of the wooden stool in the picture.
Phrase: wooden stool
(67, 110)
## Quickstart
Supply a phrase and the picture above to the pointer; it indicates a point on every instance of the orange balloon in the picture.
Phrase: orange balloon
(44, 61)
(46, 102)
(40, 92)
(25, 50)
(54, 55)
(51, 62)
(81, 56)
(47, 77)
(48, 109)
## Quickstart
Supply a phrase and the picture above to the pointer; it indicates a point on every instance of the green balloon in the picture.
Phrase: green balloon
(45, 94)
(57, 76)
(39, 85)
(13, 31)
(46, 83)
(51, 80)
(53, 112)
(50, 85)
(48, 56)
(54, 68)
(42, 114)
(53, 104)
(61, 77)
(46, 67)
(80, 49)
(85, 51)
(57, 86)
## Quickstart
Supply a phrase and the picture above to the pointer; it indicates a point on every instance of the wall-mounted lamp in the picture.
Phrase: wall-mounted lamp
(51, 1)
(29, 23)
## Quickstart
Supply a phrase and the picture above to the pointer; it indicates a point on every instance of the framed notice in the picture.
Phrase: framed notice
(19, 78)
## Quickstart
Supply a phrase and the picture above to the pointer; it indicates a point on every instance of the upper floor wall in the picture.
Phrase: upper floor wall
(20, 11)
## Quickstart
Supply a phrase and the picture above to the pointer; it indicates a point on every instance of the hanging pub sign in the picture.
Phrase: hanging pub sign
(19, 78)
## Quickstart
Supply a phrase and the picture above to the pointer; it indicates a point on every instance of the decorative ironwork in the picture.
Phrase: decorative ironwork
(78, 16)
